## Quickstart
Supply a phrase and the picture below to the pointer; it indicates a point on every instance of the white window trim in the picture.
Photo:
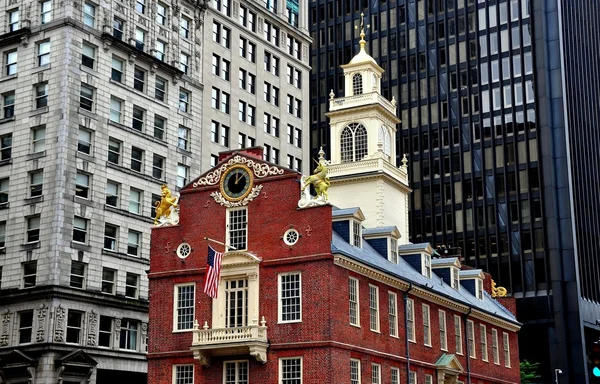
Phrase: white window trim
(483, 342)
(373, 365)
(393, 296)
(471, 339)
(291, 358)
(183, 365)
(506, 350)
(357, 324)
(426, 335)
(175, 307)
(411, 319)
(377, 327)
(460, 346)
(359, 370)
(443, 346)
(397, 370)
(280, 298)
(495, 350)
(352, 234)
(393, 244)
(234, 361)
(227, 230)
(426, 265)
(412, 374)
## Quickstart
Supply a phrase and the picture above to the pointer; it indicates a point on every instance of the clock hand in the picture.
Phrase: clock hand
(237, 177)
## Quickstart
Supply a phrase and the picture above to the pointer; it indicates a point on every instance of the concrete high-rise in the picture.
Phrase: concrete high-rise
(102, 103)
(498, 102)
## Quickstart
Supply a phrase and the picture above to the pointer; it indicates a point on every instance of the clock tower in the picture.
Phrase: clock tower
(363, 151)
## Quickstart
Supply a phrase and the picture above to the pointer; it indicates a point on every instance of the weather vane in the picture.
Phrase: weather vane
(362, 24)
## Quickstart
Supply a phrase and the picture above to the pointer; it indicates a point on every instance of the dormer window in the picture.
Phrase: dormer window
(479, 289)
(356, 235)
(455, 279)
(427, 266)
(357, 84)
(394, 251)
(353, 143)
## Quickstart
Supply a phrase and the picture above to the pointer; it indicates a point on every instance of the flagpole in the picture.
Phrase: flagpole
(223, 244)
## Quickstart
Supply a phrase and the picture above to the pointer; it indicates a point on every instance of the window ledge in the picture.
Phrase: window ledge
(138, 133)
(33, 200)
(41, 68)
(31, 245)
(38, 111)
(187, 114)
(182, 330)
(125, 256)
(85, 157)
(6, 161)
(81, 246)
(4, 205)
(87, 113)
(290, 322)
(37, 155)
(134, 173)
(88, 70)
(83, 200)
(184, 152)
(138, 93)
(123, 212)
(9, 77)
(7, 120)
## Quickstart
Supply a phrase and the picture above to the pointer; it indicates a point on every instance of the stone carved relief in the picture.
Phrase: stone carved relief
(236, 9)
(59, 328)
(40, 335)
(93, 322)
(117, 331)
(144, 336)
(120, 8)
(4, 336)
(260, 170)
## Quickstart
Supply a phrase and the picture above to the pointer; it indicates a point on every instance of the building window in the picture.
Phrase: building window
(471, 339)
(105, 331)
(506, 346)
(221, 34)
(115, 110)
(271, 32)
(137, 159)
(137, 122)
(353, 299)
(394, 251)
(183, 138)
(84, 141)
(184, 307)
(133, 243)
(4, 188)
(25, 326)
(110, 237)
(374, 308)
(426, 325)
(108, 280)
(354, 371)
(117, 70)
(427, 266)
(375, 373)
(161, 14)
(183, 174)
(158, 164)
(353, 144)
(290, 370)
(184, 27)
(89, 14)
(33, 230)
(384, 139)
(128, 337)
(38, 140)
(140, 6)
(183, 374)
(140, 39)
(237, 228)
(80, 230)
(495, 353)
(410, 320)
(356, 234)
(29, 274)
(458, 335)
(74, 326)
(8, 105)
(483, 341)
(114, 151)
(77, 275)
(139, 79)
(455, 278)
(479, 289)
(118, 27)
(82, 185)
(88, 55)
(357, 84)
(184, 100)
(10, 59)
(36, 183)
(41, 96)
(412, 379)
(393, 313)
(160, 88)
(131, 285)
(236, 372)
(86, 98)
(13, 20)
(395, 376)
(428, 379)
(290, 297)
(184, 60)
(443, 336)
(159, 127)
(236, 297)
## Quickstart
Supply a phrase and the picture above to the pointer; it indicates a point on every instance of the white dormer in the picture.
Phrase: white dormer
(418, 256)
(348, 224)
(384, 240)
(472, 281)
(448, 269)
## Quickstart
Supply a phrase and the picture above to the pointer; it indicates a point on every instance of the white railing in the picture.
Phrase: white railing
(362, 99)
(368, 165)
(212, 336)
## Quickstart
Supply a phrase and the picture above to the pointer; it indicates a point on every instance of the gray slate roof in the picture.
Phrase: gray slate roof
(367, 255)
(378, 230)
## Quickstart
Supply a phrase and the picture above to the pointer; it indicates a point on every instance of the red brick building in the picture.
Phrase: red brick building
(312, 296)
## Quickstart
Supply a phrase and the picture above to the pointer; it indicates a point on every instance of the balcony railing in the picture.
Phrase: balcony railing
(251, 339)
(338, 103)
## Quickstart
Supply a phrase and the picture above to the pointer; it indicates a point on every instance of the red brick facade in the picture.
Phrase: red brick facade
(323, 339)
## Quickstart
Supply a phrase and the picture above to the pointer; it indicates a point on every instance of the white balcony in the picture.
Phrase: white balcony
(251, 339)
(339, 103)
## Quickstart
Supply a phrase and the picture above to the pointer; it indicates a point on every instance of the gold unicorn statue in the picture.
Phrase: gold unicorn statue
(319, 179)
(163, 207)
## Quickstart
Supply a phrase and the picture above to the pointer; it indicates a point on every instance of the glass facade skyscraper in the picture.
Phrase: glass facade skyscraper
(499, 108)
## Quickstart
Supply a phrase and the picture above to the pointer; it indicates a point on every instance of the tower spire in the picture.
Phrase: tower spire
(362, 41)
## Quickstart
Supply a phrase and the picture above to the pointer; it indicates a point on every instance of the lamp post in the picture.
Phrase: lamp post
(557, 372)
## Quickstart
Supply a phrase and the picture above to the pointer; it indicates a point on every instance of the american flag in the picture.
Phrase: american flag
(213, 265)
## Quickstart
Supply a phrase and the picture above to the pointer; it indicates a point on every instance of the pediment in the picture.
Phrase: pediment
(77, 358)
(237, 259)
(17, 359)
(449, 362)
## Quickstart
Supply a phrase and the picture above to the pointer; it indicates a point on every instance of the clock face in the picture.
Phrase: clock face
(236, 183)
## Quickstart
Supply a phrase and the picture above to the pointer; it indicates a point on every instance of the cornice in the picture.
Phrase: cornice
(355, 178)
(370, 273)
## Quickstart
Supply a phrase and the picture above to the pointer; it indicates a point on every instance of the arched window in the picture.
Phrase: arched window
(357, 84)
(353, 143)
(384, 138)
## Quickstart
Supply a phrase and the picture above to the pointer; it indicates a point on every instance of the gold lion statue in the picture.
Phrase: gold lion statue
(163, 207)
